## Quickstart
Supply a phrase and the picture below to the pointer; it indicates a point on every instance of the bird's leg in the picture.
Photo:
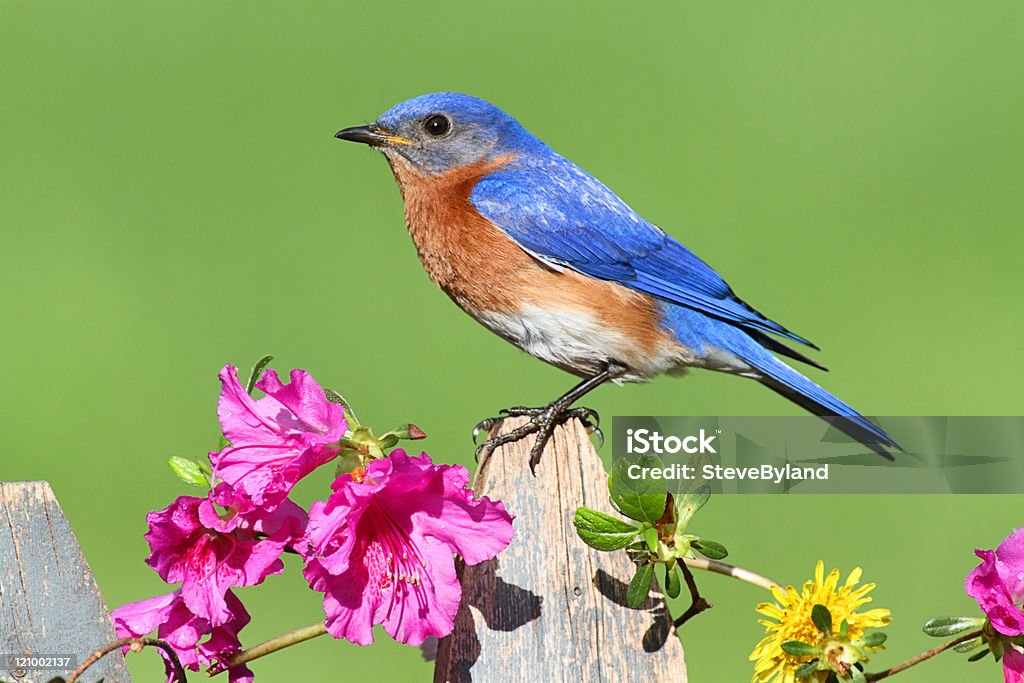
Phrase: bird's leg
(544, 420)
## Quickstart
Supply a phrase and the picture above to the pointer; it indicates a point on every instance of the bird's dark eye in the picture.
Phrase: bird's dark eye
(437, 125)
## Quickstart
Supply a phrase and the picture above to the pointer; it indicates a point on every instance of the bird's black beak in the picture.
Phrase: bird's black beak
(368, 135)
(372, 135)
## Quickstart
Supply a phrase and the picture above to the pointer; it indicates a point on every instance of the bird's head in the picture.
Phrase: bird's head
(441, 132)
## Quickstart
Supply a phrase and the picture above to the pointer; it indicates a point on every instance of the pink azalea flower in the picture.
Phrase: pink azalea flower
(171, 618)
(380, 549)
(278, 439)
(210, 553)
(997, 584)
(1013, 664)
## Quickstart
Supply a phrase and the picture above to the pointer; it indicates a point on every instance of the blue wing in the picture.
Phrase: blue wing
(565, 217)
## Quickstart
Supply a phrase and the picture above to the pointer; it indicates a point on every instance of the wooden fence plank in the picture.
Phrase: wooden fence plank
(549, 608)
(49, 603)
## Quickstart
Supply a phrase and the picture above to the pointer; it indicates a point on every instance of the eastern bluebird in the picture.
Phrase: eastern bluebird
(545, 256)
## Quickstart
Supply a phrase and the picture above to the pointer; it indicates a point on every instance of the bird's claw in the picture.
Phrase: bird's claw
(590, 418)
(542, 422)
(592, 423)
(485, 425)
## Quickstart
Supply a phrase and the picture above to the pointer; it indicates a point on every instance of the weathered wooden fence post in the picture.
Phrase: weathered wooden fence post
(49, 603)
(549, 608)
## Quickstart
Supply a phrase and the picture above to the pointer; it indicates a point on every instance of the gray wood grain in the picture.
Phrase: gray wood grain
(49, 603)
(549, 608)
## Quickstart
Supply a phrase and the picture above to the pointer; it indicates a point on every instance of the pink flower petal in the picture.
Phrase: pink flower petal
(277, 440)
(1010, 563)
(307, 407)
(329, 539)
(174, 623)
(223, 641)
(986, 586)
(137, 619)
(349, 613)
(381, 550)
(423, 605)
(477, 529)
(170, 617)
(1013, 665)
(170, 534)
(242, 418)
(193, 543)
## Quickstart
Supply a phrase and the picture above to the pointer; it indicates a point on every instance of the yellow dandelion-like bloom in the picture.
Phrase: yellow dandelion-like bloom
(791, 612)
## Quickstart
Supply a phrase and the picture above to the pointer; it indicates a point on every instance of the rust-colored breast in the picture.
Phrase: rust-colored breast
(483, 270)
(476, 264)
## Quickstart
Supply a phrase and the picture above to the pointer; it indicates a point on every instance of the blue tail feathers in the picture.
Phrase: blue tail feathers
(699, 332)
(789, 383)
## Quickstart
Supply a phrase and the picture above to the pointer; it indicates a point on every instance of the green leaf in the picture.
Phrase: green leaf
(640, 586)
(651, 538)
(844, 629)
(807, 669)
(873, 639)
(603, 532)
(257, 370)
(334, 397)
(977, 657)
(799, 649)
(696, 499)
(709, 549)
(600, 522)
(822, 619)
(643, 499)
(942, 627)
(350, 415)
(857, 676)
(190, 471)
(687, 504)
(970, 645)
(204, 465)
(673, 583)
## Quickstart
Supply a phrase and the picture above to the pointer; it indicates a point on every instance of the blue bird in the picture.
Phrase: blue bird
(545, 256)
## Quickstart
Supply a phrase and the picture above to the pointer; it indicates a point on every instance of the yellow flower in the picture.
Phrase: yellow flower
(791, 612)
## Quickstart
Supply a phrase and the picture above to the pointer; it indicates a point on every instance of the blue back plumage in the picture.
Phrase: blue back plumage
(561, 214)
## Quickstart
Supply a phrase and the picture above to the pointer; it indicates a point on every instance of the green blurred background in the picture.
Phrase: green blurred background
(172, 200)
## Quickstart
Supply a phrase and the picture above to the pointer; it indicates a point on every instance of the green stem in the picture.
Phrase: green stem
(265, 648)
(927, 654)
(738, 573)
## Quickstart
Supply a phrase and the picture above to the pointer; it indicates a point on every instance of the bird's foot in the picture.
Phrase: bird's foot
(542, 423)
